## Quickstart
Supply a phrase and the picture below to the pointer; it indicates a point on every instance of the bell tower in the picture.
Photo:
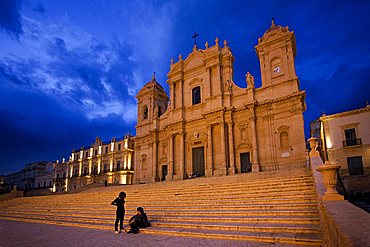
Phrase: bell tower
(276, 51)
(152, 103)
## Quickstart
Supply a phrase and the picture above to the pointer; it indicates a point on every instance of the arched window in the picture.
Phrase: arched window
(284, 139)
(196, 95)
(145, 112)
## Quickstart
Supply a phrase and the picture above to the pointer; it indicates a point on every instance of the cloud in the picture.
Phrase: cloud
(10, 16)
(92, 76)
(39, 8)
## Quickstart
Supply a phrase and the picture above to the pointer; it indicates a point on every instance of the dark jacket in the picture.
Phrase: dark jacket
(140, 220)
(120, 203)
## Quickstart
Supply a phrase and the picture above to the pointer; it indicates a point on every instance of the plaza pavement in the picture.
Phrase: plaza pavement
(13, 233)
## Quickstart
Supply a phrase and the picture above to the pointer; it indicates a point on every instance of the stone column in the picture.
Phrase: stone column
(172, 96)
(182, 155)
(209, 163)
(90, 166)
(111, 163)
(99, 165)
(155, 161)
(255, 164)
(223, 149)
(181, 85)
(209, 71)
(170, 160)
(129, 160)
(231, 148)
(80, 169)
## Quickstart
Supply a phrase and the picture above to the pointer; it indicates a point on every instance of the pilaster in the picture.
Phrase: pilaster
(209, 163)
(253, 119)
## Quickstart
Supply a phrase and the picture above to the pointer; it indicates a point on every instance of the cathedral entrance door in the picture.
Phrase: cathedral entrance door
(198, 161)
(164, 172)
(245, 163)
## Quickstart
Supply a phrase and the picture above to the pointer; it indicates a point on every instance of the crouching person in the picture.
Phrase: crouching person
(139, 220)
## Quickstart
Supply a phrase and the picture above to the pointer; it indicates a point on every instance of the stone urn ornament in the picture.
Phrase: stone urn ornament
(329, 174)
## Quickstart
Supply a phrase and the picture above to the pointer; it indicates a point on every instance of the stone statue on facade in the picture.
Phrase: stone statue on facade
(250, 80)
(227, 86)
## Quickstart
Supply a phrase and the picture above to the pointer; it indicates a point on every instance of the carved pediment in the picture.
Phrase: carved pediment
(245, 145)
(194, 60)
(162, 160)
(175, 68)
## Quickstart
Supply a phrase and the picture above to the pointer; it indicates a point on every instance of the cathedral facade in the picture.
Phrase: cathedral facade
(209, 126)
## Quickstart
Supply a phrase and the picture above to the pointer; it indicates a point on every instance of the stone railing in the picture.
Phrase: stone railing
(342, 223)
(12, 194)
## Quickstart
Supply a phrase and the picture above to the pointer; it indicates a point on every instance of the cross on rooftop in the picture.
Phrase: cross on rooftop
(195, 35)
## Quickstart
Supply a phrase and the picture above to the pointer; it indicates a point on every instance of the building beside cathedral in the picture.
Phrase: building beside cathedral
(208, 126)
(344, 139)
(109, 162)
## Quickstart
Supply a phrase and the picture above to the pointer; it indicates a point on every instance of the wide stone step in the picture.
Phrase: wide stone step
(311, 239)
(214, 212)
(176, 206)
(220, 194)
(251, 186)
(83, 217)
(288, 199)
(242, 227)
(184, 201)
(284, 238)
(177, 192)
(251, 219)
(164, 188)
(273, 207)
(188, 203)
(213, 189)
(179, 196)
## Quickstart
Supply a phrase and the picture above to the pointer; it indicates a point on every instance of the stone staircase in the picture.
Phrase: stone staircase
(273, 207)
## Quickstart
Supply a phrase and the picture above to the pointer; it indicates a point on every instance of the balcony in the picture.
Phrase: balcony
(352, 142)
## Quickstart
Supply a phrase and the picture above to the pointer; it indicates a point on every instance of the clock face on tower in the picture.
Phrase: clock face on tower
(276, 70)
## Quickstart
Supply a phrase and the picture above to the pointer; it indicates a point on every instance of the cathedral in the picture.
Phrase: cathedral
(209, 126)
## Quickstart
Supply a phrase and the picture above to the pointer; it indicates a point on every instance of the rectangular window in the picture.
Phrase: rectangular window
(118, 165)
(196, 95)
(351, 139)
(355, 165)
(96, 152)
(106, 149)
(350, 134)
(119, 146)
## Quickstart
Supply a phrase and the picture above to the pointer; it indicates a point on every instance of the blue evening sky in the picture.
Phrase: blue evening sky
(69, 70)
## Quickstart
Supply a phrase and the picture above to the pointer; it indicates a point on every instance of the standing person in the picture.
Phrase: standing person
(139, 220)
(119, 202)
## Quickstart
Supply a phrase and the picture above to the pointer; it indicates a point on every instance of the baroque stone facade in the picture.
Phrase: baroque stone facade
(210, 127)
(108, 162)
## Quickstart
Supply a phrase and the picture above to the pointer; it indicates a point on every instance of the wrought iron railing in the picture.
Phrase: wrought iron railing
(352, 142)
